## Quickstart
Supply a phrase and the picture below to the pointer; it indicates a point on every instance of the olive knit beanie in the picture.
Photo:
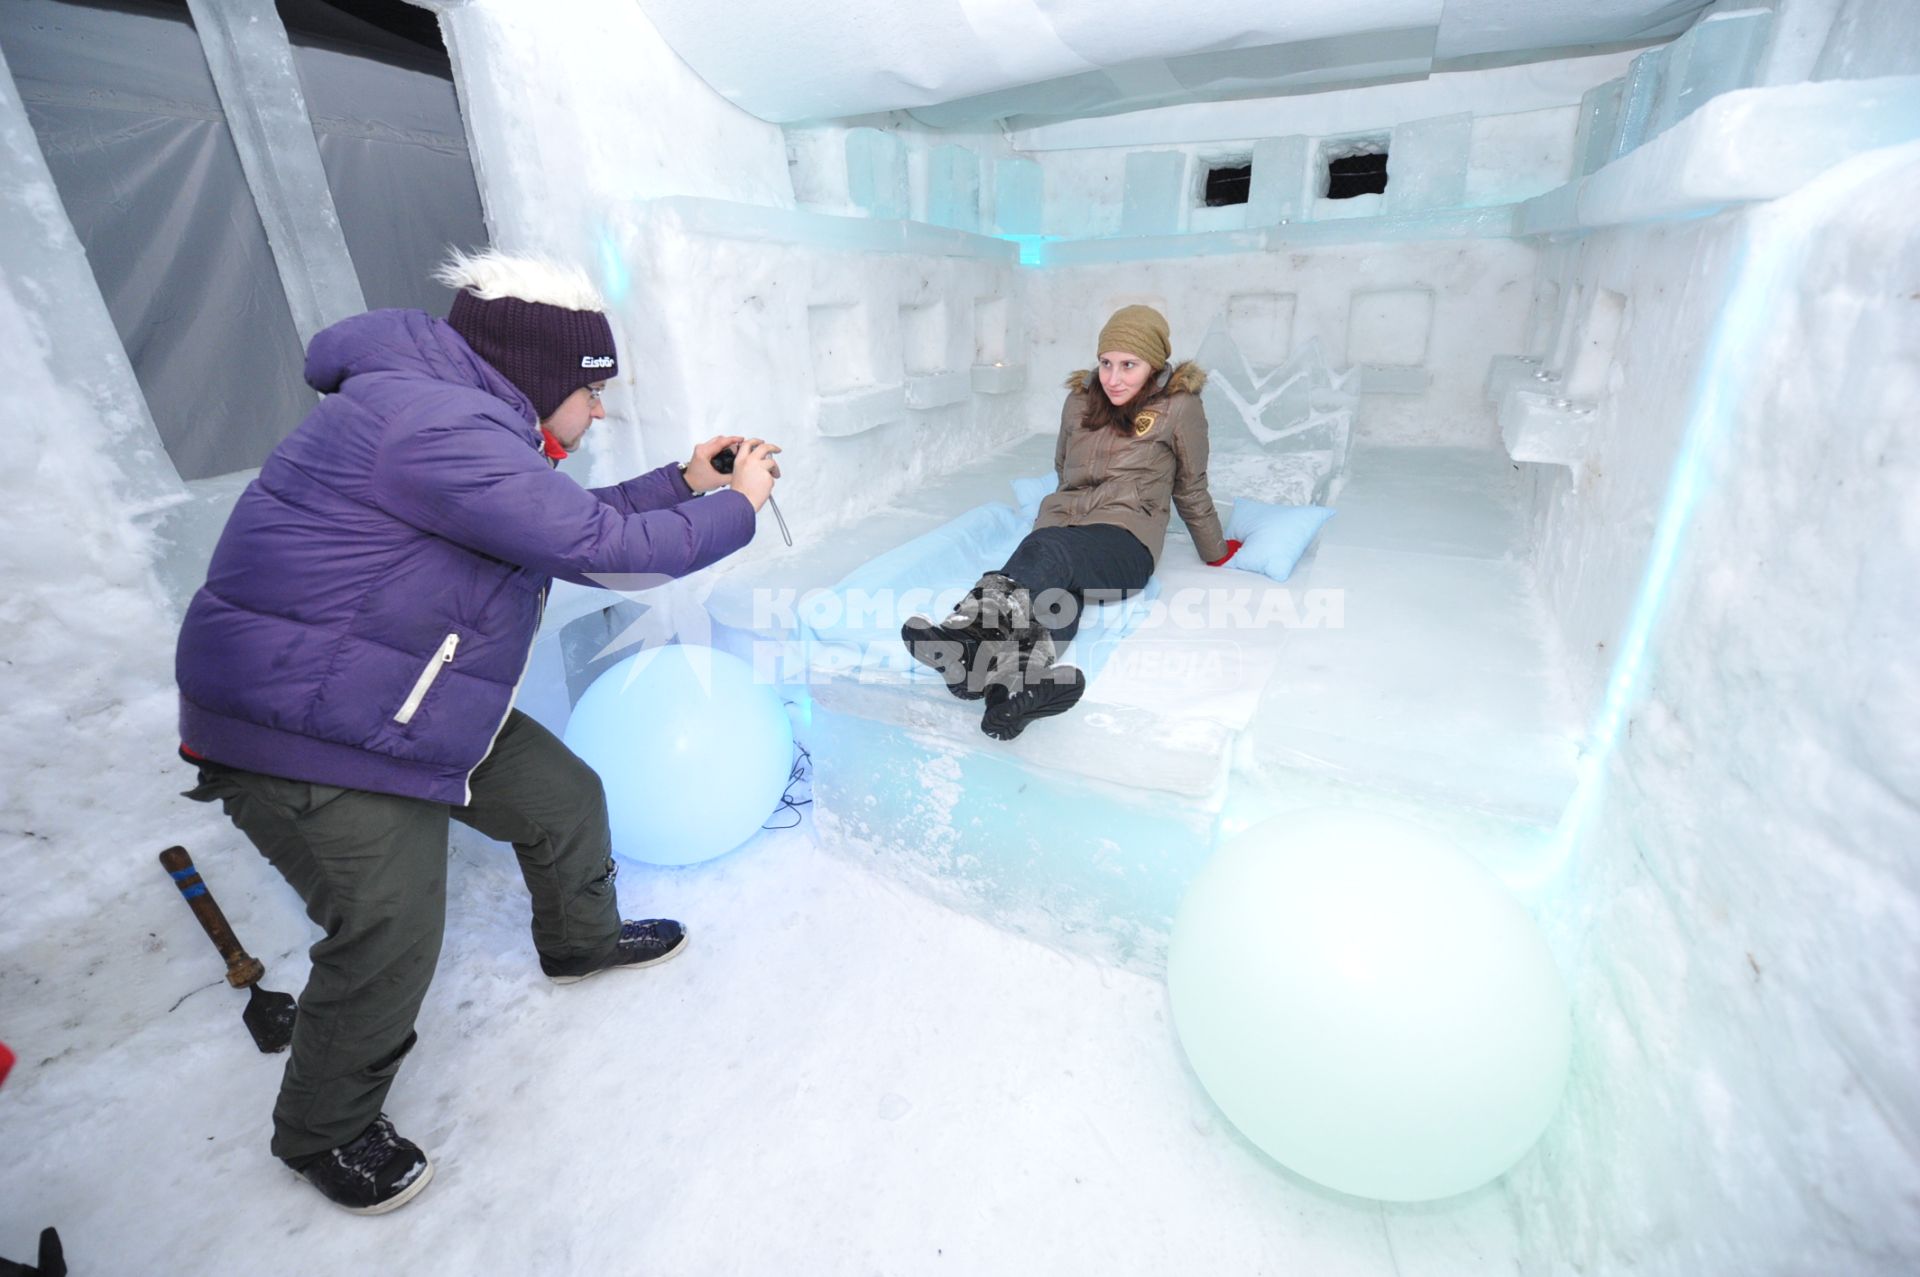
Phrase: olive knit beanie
(1138, 330)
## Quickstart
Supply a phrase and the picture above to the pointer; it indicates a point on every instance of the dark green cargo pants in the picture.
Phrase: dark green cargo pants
(372, 869)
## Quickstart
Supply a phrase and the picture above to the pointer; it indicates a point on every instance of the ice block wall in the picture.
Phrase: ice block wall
(849, 335)
(1417, 286)
(893, 166)
(1740, 918)
(1421, 318)
(1622, 319)
(1454, 140)
(867, 350)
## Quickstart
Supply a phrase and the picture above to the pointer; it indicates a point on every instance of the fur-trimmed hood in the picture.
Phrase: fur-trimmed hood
(1187, 377)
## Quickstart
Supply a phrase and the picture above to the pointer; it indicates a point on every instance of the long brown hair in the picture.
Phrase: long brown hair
(1103, 412)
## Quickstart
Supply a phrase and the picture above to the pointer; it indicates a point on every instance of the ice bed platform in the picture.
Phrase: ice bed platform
(1406, 658)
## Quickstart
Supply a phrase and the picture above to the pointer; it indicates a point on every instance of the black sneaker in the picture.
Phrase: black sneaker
(1008, 713)
(642, 943)
(371, 1174)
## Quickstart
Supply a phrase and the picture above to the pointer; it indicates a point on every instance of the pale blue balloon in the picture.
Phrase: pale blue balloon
(694, 753)
(1369, 1005)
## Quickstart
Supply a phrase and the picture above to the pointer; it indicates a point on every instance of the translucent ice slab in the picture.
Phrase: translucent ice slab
(1300, 415)
(1427, 166)
(1494, 222)
(1750, 144)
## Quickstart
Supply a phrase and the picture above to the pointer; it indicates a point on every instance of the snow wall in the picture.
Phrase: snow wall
(1739, 921)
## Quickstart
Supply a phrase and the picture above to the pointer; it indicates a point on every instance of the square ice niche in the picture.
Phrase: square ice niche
(989, 330)
(923, 337)
(1390, 326)
(1592, 351)
(1261, 324)
(837, 339)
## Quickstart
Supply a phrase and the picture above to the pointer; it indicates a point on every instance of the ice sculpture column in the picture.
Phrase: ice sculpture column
(46, 268)
(252, 65)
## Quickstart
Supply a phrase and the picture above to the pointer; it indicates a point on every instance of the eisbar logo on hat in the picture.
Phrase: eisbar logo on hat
(597, 361)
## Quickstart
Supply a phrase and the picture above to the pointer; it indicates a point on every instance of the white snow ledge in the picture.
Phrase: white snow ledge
(1742, 146)
(830, 232)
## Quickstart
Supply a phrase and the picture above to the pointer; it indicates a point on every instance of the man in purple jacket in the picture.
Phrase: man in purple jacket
(347, 672)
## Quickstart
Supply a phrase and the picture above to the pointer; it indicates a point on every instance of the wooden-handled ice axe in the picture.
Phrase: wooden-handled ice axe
(269, 1015)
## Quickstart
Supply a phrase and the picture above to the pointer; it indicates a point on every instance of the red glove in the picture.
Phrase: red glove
(1233, 548)
(6, 1061)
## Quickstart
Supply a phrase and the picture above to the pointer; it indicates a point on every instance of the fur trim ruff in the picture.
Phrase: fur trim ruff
(490, 274)
(1187, 378)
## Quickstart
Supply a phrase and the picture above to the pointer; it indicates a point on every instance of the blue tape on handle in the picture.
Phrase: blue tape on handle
(181, 875)
(198, 889)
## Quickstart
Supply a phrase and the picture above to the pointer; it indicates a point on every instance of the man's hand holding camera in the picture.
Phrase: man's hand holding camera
(734, 461)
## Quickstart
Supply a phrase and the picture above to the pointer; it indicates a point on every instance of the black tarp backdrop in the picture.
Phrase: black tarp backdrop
(125, 111)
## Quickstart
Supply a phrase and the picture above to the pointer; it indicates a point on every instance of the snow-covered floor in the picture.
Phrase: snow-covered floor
(840, 1076)
(837, 1077)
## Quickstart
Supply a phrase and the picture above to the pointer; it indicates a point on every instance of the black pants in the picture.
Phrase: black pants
(1059, 566)
(372, 869)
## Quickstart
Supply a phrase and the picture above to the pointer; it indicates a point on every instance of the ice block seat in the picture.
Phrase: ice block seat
(1165, 698)
(1444, 681)
(1405, 657)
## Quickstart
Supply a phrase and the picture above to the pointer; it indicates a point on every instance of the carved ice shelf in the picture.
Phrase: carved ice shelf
(938, 389)
(999, 379)
(1516, 372)
(855, 411)
(1544, 428)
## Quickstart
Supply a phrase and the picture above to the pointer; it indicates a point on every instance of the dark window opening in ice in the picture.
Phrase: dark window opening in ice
(1228, 184)
(1353, 175)
(363, 63)
(398, 34)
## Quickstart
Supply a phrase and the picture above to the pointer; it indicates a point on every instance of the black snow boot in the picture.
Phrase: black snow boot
(1026, 684)
(982, 634)
(948, 647)
(371, 1174)
(1008, 712)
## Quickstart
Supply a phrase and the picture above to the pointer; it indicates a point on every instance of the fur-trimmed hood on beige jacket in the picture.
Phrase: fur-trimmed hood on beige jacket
(1135, 481)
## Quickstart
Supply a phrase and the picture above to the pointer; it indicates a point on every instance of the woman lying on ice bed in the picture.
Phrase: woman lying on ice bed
(1133, 439)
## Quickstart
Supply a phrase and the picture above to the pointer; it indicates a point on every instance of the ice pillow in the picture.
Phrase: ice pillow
(1030, 492)
(1273, 537)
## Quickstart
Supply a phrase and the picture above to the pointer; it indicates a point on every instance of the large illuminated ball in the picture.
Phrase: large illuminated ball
(1368, 1005)
(693, 753)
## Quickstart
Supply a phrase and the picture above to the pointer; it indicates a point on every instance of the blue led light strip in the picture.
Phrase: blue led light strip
(1760, 269)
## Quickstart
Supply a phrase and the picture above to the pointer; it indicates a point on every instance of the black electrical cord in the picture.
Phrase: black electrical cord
(802, 774)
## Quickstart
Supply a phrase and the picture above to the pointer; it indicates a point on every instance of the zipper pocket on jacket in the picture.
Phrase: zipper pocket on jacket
(439, 661)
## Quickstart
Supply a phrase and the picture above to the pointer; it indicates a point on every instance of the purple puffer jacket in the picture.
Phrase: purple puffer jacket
(372, 603)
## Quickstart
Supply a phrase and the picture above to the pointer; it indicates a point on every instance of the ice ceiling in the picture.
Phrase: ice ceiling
(958, 62)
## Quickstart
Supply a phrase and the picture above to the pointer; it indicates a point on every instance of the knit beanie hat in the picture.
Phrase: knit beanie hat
(1138, 330)
(542, 325)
